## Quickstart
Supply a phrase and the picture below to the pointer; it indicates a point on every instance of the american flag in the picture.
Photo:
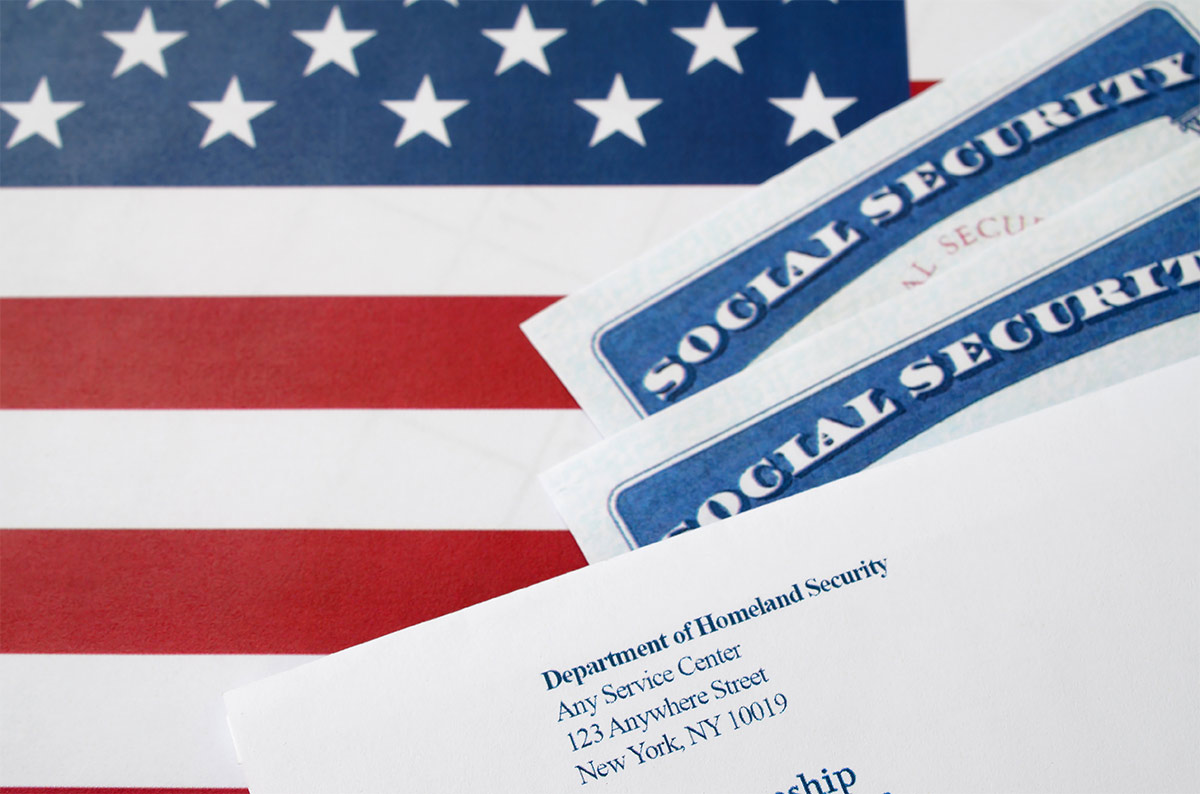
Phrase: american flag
(262, 390)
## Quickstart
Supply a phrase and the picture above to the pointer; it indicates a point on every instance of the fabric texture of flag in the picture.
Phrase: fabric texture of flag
(262, 391)
(368, 93)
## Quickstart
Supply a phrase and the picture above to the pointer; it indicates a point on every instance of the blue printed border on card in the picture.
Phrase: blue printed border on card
(718, 320)
(1144, 275)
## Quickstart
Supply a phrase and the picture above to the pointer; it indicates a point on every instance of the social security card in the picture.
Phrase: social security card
(1102, 292)
(1098, 91)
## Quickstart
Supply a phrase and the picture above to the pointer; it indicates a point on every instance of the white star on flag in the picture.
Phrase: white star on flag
(618, 113)
(813, 111)
(424, 113)
(715, 41)
(143, 45)
(33, 3)
(523, 42)
(333, 44)
(263, 3)
(39, 116)
(231, 116)
(598, 2)
(451, 2)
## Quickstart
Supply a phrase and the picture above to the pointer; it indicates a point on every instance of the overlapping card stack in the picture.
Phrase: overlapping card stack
(842, 316)
(837, 316)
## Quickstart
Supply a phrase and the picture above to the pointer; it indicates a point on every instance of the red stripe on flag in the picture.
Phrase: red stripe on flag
(252, 591)
(917, 86)
(274, 352)
(31, 790)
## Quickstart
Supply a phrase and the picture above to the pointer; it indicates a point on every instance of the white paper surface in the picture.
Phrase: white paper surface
(1035, 632)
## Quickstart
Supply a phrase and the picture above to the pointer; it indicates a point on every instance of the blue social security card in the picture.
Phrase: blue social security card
(1051, 119)
(1097, 294)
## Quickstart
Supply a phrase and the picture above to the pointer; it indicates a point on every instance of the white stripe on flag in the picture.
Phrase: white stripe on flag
(946, 35)
(123, 721)
(382, 469)
(335, 241)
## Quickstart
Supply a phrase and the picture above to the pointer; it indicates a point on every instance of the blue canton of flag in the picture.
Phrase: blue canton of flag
(376, 93)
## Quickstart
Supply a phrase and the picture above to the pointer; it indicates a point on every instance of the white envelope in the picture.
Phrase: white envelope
(1014, 611)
